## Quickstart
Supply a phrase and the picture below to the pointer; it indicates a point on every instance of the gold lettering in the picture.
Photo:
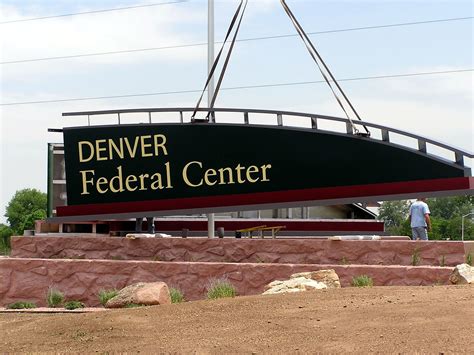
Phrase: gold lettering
(239, 168)
(99, 149)
(113, 146)
(222, 180)
(155, 185)
(250, 170)
(168, 176)
(128, 180)
(119, 179)
(85, 182)
(160, 141)
(101, 181)
(145, 145)
(81, 155)
(131, 151)
(142, 181)
(264, 171)
(185, 174)
(210, 173)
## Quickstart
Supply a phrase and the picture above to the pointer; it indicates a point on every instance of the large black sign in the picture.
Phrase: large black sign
(109, 164)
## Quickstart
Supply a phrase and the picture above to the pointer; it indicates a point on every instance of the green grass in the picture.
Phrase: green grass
(362, 281)
(133, 305)
(21, 305)
(442, 261)
(220, 288)
(415, 257)
(469, 259)
(73, 305)
(344, 261)
(54, 298)
(105, 295)
(176, 295)
(4, 248)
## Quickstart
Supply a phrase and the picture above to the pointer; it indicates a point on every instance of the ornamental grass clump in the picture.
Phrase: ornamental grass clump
(220, 288)
(362, 281)
(176, 295)
(21, 305)
(54, 298)
(73, 305)
(105, 295)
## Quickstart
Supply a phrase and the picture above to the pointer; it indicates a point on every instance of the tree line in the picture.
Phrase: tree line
(446, 217)
(25, 207)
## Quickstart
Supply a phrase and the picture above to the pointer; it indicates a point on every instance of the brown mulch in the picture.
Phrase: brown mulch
(430, 319)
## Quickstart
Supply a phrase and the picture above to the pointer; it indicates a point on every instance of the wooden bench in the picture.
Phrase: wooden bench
(261, 229)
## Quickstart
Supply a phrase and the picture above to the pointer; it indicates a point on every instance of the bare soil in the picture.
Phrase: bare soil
(437, 319)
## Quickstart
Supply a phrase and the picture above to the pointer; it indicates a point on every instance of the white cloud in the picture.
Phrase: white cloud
(109, 31)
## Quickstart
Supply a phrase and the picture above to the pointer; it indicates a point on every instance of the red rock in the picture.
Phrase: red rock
(83, 279)
(288, 251)
(142, 293)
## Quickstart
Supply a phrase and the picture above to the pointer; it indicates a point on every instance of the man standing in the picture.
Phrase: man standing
(420, 219)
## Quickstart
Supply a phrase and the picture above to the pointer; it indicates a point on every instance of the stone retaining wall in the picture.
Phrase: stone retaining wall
(287, 251)
(29, 279)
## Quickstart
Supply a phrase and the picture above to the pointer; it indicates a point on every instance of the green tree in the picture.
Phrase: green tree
(446, 213)
(5, 234)
(450, 207)
(24, 208)
(395, 216)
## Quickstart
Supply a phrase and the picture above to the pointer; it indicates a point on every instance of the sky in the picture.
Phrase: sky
(437, 106)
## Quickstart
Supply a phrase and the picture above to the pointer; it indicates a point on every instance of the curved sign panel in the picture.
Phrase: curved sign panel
(170, 167)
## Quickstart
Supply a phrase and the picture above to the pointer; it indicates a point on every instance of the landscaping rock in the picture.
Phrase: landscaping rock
(462, 274)
(293, 285)
(328, 277)
(142, 293)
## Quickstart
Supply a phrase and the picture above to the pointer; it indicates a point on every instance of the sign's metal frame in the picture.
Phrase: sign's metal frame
(380, 134)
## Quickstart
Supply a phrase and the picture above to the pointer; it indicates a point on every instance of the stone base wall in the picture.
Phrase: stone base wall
(29, 279)
(228, 250)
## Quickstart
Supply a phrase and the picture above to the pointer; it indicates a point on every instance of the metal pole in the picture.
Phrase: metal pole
(210, 90)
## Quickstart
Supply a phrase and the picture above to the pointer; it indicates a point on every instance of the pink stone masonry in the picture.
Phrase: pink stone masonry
(29, 279)
(285, 251)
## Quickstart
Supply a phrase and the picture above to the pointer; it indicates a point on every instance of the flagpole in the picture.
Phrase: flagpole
(210, 90)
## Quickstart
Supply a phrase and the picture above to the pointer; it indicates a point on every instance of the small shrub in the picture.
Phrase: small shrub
(469, 259)
(105, 295)
(5, 239)
(362, 281)
(176, 295)
(220, 288)
(54, 298)
(415, 257)
(442, 261)
(133, 305)
(21, 305)
(73, 305)
(344, 261)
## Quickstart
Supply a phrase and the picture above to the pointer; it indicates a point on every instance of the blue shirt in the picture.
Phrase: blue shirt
(417, 211)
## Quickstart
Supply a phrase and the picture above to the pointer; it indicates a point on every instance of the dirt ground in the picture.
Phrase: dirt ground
(435, 319)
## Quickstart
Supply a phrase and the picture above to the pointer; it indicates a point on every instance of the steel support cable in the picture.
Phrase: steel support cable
(94, 11)
(314, 53)
(224, 67)
(19, 61)
(216, 60)
(235, 87)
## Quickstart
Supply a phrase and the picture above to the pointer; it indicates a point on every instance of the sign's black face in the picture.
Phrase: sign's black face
(128, 163)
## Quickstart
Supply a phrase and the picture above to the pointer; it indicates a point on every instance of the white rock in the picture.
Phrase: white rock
(462, 274)
(329, 277)
(293, 285)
